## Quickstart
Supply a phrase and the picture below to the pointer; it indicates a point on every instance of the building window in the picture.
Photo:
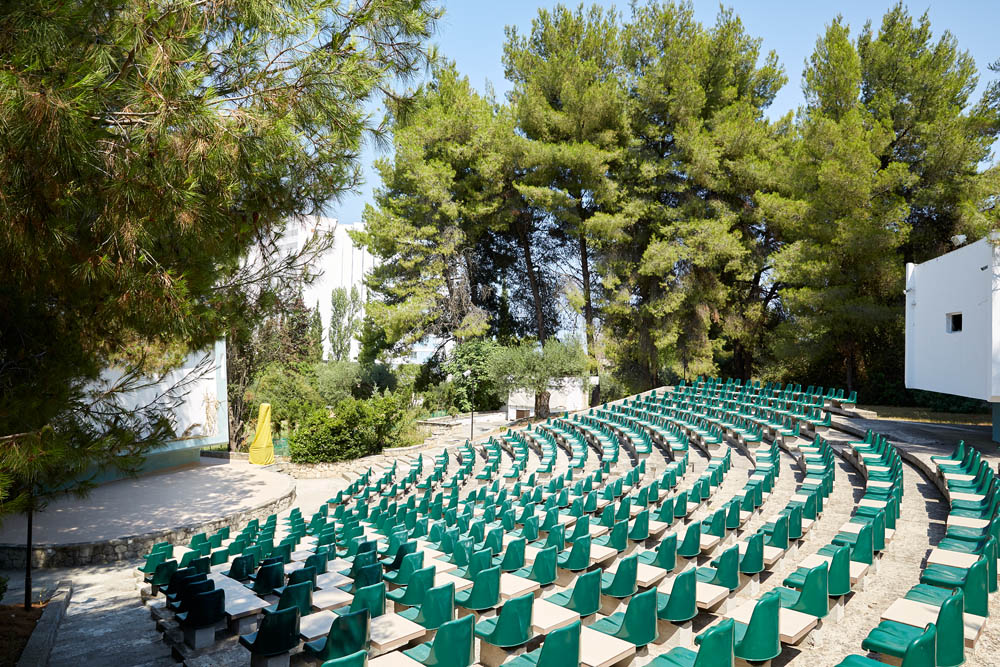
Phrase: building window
(953, 322)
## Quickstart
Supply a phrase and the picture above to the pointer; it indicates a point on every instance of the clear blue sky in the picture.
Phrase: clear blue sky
(472, 34)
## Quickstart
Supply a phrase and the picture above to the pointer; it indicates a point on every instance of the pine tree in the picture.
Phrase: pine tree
(147, 148)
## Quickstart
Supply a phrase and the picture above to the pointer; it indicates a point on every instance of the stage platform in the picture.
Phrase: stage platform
(120, 520)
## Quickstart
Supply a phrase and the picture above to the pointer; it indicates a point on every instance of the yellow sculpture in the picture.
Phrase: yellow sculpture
(261, 448)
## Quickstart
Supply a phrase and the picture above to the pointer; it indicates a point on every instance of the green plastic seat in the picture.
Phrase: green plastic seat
(561, 648)
(410, 564)
(622, 583)
(396, 561)
(715, 649)
(438, 607)
(759, 640)
(891, 638)
(348, 634)
(725, 570)
(278, 633)
(838, 578)
(637, 624)
(268, 577)
(920, 653)
(616, 538)
(485, 591)
(163, 573)
(512, 625)
(578, 558)
(371, 598)
(513, 556)
(690, 546)
(359, 659)
(639, 532)
(416, 588)
(298, 596)
(478, 561)
(452, 646)
(204, 609)
(971, 580)
(813, 598)
(303, 574)
(665, 555)
(543, 569)
(585, 596)
(681, 604)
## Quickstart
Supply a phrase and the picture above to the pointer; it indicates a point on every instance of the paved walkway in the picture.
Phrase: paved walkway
(154, 502)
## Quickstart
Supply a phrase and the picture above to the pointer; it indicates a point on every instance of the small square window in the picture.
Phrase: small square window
(953, 322)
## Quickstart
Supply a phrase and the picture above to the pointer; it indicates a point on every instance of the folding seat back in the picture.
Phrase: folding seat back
(585, 597)
(681, 604)
(419, 583)
(371, 598)
(513, 623)
(278, 633)
(452, 645)
(513, 557)
(760, 640)
(623, 583)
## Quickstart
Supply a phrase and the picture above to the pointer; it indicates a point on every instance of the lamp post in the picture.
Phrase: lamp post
(472, 405)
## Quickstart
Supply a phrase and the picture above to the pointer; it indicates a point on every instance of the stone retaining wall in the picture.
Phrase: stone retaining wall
(135, 546)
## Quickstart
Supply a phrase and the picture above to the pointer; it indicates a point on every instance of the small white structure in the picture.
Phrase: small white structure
(953, 324)
(568, 394)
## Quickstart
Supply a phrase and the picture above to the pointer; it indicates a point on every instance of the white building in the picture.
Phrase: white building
(953, 324)
(344, 265)
(568, 394)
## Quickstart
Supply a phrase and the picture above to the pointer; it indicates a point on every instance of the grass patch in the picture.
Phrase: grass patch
(16, 626)
(928, 416)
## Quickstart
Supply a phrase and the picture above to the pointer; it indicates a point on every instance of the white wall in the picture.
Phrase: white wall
(568, 395)
(962, 363)
(344, 265)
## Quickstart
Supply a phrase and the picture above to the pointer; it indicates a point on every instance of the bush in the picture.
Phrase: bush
(290, 391)
(337, 380)
(356, 428)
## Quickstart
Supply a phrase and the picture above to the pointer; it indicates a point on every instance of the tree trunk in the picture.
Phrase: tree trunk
(27, 558)
(588, 305)
(542, 404)
(536, 295)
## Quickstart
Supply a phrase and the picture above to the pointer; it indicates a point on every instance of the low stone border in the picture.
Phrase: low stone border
(36, 653)
(135, 546)
(914, 460)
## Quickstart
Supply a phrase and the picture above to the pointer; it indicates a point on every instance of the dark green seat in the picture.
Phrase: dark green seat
(268, 577)
(295, 595)
(681, 604)
(543, 568)
(561, 648)
(413, 593)
(920, 653)
(617, 538)
(637, 624)
(485, 591)
(240, 568)
(410, 564)
(813, 598)
(348, 634)
(715, 649)
(438, 607)
(725, 570)
(365, 577)
(576, 559)
(971, 580)
(513, 556)
(359, 659)
(371, 598)
(163, 574)
(838, 578)
(622, 583)
(892, 638)
(512, 625)
(690, 546)
(585, 596)
(452, 646)
(478, 561)
(301, 575)
(278, 633)
(665, 555)
(759, 640)
(204, 609)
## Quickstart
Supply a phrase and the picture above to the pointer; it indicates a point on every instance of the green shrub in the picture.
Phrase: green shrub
(355, 428)
(337, 380)
(290, 391)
